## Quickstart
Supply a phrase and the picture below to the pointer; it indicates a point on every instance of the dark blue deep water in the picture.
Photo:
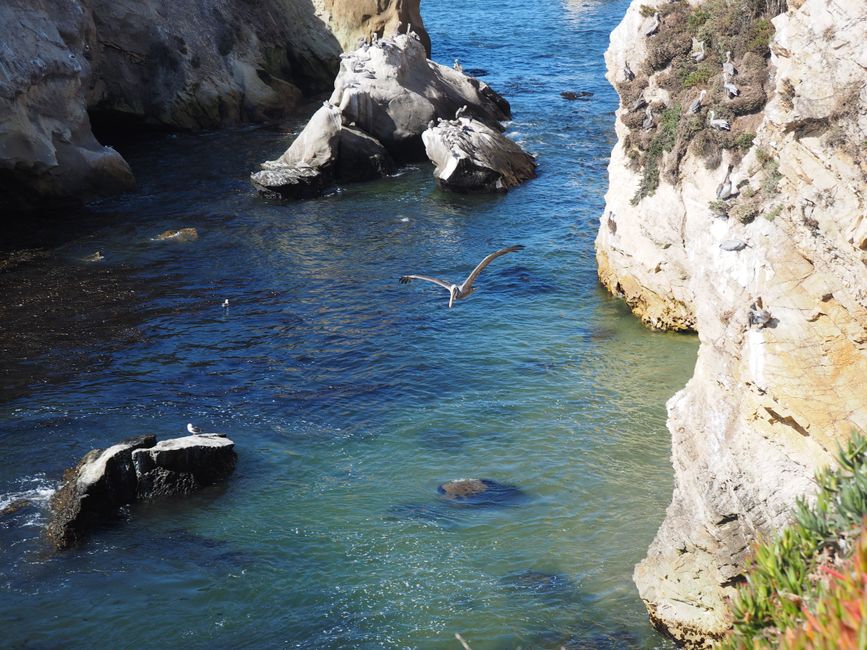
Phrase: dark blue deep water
(350, 397)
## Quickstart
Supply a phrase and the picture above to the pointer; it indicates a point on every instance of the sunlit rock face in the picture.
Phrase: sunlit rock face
(386, 96)
(134, 63)
(782, 320)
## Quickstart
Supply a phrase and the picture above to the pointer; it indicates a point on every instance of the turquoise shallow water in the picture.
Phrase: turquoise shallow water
(350, 397)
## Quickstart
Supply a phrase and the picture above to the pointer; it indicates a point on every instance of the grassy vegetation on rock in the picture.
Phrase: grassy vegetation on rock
(742, 27)
(806, 588)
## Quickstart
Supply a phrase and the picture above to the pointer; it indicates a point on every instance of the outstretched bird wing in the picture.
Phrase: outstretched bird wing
(481, 267)
(406, 279)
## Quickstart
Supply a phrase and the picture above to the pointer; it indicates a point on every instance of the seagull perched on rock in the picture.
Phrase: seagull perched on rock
(457, 65)
(192, 429)
(459, 292)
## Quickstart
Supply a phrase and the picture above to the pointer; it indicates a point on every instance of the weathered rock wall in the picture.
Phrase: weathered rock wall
(767, 404)
(186, 65)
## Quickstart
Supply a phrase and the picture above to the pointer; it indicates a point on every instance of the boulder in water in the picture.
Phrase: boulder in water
(385, 94)
(91, 491)
(105, 480)
(183, 465)
(470, 156)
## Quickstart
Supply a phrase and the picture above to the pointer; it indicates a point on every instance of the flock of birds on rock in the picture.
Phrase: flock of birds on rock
(698, 54)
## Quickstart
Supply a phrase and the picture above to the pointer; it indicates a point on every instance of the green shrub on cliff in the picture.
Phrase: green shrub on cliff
(662, 142)
(806, 588)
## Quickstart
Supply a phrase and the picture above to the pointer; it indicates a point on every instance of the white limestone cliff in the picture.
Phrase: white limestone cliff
(773, 394)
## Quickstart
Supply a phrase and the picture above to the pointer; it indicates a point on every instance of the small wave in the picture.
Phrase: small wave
(36, 490)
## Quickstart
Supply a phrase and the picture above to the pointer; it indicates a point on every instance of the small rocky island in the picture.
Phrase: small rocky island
(135, 469)
(392, 105)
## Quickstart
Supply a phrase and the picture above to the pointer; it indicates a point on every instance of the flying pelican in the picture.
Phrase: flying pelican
(654, 26)
(729, 67)
(719, 124)
(724, 191)
(193, 429)
(647, 124)
(695, 107)
(457, 292)
(699, 55)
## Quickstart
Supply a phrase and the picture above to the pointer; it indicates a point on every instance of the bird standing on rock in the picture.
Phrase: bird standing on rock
(459, 292)
(695, 107)
(724, 191)
(718, 123)
(654, 26)
(647, 124)
(730, 88)
(193, 429)
(728, 66)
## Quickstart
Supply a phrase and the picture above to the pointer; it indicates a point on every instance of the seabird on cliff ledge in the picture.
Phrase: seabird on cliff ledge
(459, 292)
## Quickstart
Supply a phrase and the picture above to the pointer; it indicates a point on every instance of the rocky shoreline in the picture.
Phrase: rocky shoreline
(148, 64)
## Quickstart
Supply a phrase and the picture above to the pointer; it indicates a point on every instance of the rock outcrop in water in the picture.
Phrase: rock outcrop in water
(782, 319)
(470, 156)
(143, 62)
(385, 95)
(138, 468)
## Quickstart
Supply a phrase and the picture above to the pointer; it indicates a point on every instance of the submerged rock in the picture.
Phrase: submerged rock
(539, 582)
(15, 507)
(479, 492)
(571, 95)
(182, 235)
(385, 95)
(472, 157)
(136, 468)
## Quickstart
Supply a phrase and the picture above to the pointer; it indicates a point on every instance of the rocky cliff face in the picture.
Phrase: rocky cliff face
(178, 64)
(771, 273)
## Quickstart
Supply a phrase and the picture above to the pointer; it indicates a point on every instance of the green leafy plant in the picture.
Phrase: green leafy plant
(663, 141)
(787, 601)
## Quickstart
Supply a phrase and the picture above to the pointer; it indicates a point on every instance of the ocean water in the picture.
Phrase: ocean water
(350, 397)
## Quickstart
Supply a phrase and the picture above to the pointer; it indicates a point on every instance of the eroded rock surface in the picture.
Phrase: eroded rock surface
(769, 402)
(385, 95)
(138, 468)
(470, 156)
(178, 65)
